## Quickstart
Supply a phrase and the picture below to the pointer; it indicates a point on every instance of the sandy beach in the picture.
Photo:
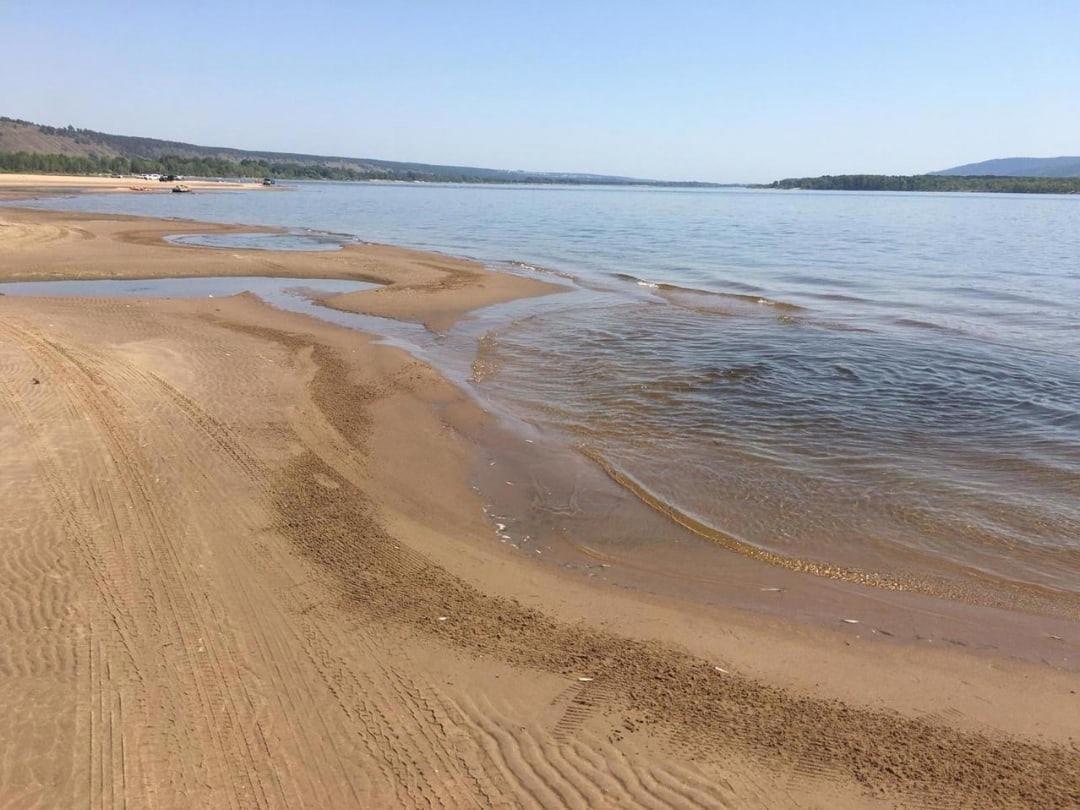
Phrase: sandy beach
(243, 565)
(13, 186)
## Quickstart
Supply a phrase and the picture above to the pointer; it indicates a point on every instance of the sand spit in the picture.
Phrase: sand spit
(427, 288)
(241, 566)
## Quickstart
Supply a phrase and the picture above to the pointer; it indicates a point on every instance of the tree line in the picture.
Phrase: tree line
(34, 163)
(932, 182)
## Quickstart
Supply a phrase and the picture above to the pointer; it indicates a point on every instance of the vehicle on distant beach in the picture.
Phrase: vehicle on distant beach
(268, 181)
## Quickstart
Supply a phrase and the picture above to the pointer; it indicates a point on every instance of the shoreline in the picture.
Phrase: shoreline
(388, 430)
(411, 281)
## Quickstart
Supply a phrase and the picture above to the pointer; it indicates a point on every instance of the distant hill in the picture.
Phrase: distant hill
(26, 146)
(1018, 167)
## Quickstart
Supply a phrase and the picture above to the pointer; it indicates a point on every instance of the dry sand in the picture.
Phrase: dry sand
(241, 565)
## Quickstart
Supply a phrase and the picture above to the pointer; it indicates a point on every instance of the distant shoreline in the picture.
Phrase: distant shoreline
(36, 148)
(929, 182)
(18, 185)
(36, 166)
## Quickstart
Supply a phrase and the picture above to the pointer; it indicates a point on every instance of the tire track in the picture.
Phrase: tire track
(172, 586)
(403, 773)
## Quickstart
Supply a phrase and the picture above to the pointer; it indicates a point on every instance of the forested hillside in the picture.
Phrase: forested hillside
(25, 146)
(1019, 167)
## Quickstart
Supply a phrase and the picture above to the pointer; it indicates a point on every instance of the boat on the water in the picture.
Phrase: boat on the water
(180, 188)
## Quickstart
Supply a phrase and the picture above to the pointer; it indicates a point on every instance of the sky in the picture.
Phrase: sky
(721, 91)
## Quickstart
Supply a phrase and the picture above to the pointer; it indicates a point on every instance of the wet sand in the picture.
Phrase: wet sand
(243, 565)
(427, 288)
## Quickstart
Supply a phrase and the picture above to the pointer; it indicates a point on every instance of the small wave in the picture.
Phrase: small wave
(750, 299)
(740, 373)
(846, 372)
(1006, 296)
(843, 298)
(916, 323)
(652, 285)
(537, 268)
(673, 290)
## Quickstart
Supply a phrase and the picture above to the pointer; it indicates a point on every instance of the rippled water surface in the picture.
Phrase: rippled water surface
(886, 380)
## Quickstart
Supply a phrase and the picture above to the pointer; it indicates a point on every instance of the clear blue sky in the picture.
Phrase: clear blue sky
(705, 90)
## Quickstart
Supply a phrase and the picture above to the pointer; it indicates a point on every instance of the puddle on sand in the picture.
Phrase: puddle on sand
(292, 294)
(261, 241)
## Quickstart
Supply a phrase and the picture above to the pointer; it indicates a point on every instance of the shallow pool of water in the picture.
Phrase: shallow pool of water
(292, 294)
(262, 241)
